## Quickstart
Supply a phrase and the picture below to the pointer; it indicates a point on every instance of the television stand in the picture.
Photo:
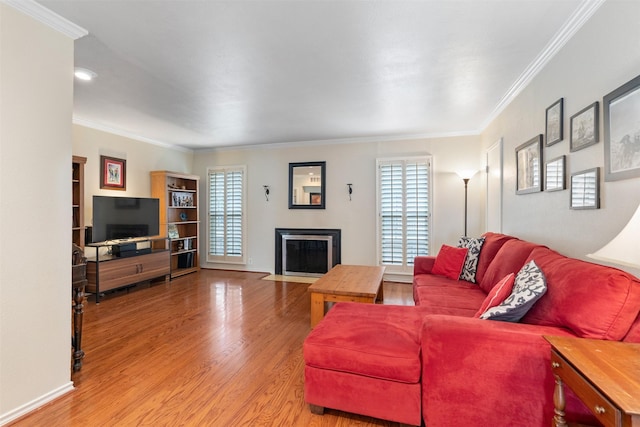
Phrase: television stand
(131, 262)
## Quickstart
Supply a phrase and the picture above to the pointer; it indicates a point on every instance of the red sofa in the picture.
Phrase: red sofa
(436, 363)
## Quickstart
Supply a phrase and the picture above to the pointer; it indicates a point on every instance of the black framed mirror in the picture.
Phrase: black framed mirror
(307, 185)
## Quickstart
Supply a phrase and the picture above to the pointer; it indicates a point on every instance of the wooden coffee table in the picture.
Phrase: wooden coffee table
(355, 283)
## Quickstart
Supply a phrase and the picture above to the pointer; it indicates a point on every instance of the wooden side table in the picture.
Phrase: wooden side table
(605, 375)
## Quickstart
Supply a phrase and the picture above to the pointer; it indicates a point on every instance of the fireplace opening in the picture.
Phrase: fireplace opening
(306, 255)
(306, 252)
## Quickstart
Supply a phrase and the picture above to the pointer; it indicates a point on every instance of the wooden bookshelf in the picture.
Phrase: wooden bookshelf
(77, 197)
(179, 218)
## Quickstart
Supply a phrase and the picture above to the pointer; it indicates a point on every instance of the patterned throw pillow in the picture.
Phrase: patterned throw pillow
(449, 262)
(471, 262)
(529, 287)
(498, 294)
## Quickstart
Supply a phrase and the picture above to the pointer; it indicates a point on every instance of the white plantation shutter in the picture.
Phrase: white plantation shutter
(403, 211)
(226, 215)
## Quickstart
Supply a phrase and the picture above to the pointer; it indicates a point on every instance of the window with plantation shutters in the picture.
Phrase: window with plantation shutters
(404, 211)
(226, 214)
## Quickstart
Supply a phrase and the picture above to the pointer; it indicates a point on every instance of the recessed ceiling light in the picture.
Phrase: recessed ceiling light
(84, 74)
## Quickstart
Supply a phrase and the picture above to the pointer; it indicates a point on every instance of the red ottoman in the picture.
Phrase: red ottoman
(365, 359)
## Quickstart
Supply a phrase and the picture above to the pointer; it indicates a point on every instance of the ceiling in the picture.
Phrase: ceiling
(208, 74)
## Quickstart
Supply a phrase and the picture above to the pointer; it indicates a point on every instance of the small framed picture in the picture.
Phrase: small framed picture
(172, 231)
(554, 174)
(182, 199)
(622, 132)
(315, 198)
(554, 127)
(585, 128)
(113, 173)
(585, 189)
(529, 166)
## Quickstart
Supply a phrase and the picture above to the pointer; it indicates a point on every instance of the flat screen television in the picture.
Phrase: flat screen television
(116, 218)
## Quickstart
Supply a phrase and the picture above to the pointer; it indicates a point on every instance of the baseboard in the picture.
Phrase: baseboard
(398, 277)
(35, 404)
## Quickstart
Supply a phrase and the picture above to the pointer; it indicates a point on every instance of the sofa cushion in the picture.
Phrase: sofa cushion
(449, 261)
(451, 297)
(492, 244)
(498, 294)
(634, 332)
(377, 341)
(530, 285)
(431, 280)
(432, 290)
(509, 259)
(593, 301)
(470, 266)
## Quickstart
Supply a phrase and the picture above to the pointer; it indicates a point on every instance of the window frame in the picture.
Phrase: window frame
(407, 265)
(227, 258)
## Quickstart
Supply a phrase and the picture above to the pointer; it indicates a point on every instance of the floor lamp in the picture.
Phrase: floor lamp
(466, 175)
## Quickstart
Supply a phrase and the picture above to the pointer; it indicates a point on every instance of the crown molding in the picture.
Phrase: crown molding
(355, 140)
(290, 144)
(47, 17)
(581, 15)
(116, 131)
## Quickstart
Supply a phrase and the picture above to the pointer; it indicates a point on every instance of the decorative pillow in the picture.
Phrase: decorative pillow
(471, 262)
(498, 293)
(530, 285)
(449, 262)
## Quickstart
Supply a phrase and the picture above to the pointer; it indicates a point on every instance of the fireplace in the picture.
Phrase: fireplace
(306, 251)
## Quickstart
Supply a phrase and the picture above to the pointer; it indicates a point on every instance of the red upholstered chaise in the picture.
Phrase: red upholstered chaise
(435, 363)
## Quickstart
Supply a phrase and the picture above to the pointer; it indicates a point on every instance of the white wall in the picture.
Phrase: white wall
(603, 55)
(141, 158)
(353, 163)
(36, 96)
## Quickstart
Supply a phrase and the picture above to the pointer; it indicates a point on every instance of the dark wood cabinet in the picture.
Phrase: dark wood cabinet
(106, 272)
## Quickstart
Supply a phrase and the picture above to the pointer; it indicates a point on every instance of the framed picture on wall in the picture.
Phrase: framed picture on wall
(553, 122)
(554, 174)
(529, 166)
(585, 128)
(622, 132)
(113, 173)
(585, 189)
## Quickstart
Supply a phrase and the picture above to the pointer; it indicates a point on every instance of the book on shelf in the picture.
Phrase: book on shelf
(185, 260)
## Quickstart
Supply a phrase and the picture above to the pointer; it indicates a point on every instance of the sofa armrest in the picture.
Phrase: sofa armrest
(489, 373)
(423, 264)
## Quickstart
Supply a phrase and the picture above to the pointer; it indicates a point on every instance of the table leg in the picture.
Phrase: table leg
(559, 404)
(317, 308)
(380, 297)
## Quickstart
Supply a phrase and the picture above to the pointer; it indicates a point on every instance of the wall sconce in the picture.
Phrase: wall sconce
(350, 191)
(266, 192)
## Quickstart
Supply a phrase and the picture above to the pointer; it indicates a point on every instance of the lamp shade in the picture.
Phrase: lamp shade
(467, 174)
(624, 249)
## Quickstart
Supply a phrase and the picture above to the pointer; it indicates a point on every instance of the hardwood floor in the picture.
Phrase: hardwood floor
(215, 348)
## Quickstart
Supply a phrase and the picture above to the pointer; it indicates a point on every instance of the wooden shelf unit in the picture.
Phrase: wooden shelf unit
(179, 218)
(106, 272)
(77, 197)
